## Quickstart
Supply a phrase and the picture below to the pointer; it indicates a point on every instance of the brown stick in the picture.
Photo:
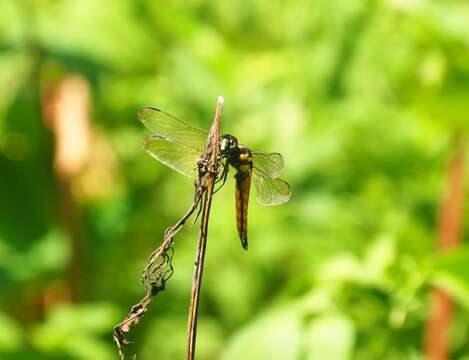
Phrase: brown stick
(202, 242)
(437, 332)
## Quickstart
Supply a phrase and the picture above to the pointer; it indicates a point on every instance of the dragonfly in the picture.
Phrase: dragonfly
(179, 145)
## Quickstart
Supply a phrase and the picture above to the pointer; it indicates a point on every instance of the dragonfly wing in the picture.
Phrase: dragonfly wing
(269, 163)
(178, 157)
(172, 129)
(270, 191)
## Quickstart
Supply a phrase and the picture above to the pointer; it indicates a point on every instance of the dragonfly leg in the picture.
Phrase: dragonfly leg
(223, 176)
(198, 212)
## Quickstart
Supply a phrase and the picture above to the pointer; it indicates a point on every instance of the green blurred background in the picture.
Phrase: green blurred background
(363, 98)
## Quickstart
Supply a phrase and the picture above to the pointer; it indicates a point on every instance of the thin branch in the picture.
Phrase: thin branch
(212, 173)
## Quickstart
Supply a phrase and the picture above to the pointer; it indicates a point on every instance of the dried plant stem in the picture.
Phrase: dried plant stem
(170, 233)
(155, 275)
(197, 279)
(159, 268)
(202, 242)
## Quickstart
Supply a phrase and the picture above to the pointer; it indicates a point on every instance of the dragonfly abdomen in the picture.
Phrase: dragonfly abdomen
(243, 185)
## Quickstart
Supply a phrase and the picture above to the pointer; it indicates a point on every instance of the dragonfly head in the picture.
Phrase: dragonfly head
(228, 143)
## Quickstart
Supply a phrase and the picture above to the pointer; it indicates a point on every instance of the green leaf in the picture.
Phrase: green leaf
(68, 326)
(275, 336)
(331, 337)
(88, 348)
(49, 253)
(10, 334)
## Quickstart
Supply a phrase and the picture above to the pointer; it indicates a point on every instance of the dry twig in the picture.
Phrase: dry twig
(212, 173)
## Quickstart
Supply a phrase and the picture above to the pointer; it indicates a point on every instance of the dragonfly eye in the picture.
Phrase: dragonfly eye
(228, 142)
(223, 144)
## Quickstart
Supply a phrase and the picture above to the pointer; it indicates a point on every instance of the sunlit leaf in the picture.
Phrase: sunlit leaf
(331, 336)
(276, 335)
(11, 337)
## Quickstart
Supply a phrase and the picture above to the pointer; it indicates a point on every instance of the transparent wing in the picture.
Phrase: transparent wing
(171, 128)
(270, 191)
(178, 157)
(269, 163)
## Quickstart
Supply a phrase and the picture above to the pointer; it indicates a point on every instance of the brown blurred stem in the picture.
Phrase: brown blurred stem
(66, 109)
(438, 327)
(212, 149)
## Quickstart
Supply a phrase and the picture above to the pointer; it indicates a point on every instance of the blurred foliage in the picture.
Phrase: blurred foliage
(361, 97)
